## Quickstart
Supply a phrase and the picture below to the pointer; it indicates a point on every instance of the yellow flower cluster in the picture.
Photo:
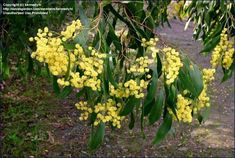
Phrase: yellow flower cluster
(140, 66)
(203, 99)
(151, 46)
(183, 109)
(228, 56)
(51, 51)
(216, 56)
(62, 82)
(129, 88)
(223, 51)
(71, 30)
(151, 42)
(78, 51)
(92, 67)
(171, 65)
(86, 110)
(76, 80)
(108, 112)
(208, 75)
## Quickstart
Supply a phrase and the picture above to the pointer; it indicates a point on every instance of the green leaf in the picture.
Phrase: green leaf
(152, 88)
(203, 115)
(140, 51)
(92, 118)
(96, 40)
(136, 8)
(109, 73)
(65, 92)
(171, 98)
(156, 110)
(191, 78)
(68, 67)
(30, 64)
(216, 32)
(80, 93)
(112, 38)
(82, 37)
(69, 46)
(128, 108)
(211, 44)
(97, 138)
(132, 121)
(227, 73)
(199, 118)
(104, 47)
(148, 106)
(56, 87)
(163, 129)
(159, 66)
(105, 83)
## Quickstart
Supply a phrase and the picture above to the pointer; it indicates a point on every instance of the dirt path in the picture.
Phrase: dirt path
(218, 131)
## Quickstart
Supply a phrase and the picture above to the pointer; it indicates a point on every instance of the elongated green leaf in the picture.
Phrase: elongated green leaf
(215, 33)
(152, 88)
(97, 138)
(196, 80)
(109, 75)
(56, 87)
(199, 118)
(156, 110)
(191, 78)
(65, 92)
(211, 44)
(80, 93)
(163, 129)
(140, 51)
(82, 37)
(112, 38)
(171, 98)
(203, 115)
(92, 118)
(148, 106)
(30, 64)
(105, 83)
(135, 8)
(128, 108)
(69, 46)
(159, 66)
(68, 67)
(227, 73)
(132, 121)
(48, 71)
(96, 40)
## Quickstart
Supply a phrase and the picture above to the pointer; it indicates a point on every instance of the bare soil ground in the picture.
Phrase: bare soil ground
(60, 133)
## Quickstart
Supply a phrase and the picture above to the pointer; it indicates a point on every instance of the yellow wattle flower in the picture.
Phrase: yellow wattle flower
(171, 65)
(223, 52)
